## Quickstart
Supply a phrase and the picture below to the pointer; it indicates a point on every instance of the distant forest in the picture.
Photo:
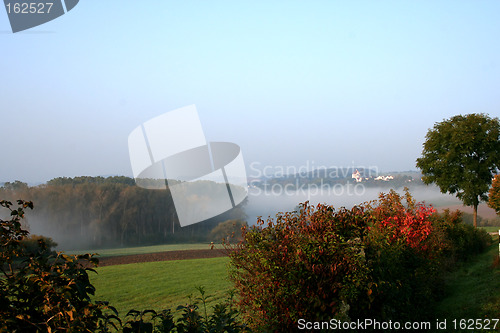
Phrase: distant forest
(99, 212)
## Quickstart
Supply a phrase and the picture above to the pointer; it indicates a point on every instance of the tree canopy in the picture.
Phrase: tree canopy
(494, 195)
(94, 212)
(461, 155)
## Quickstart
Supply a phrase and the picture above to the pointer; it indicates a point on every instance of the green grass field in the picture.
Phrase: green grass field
(160, 285)
(145, 249)
(491, 229)
(473, 291)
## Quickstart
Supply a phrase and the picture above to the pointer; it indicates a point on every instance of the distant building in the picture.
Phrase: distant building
(384, 178)
(357, 176)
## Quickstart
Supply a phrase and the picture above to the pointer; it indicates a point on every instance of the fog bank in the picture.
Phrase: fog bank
(269, 203)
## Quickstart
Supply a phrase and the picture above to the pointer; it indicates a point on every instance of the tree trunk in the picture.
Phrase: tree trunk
(475, 216)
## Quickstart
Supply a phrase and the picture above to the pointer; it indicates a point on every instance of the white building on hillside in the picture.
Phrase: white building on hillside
(384, 178)
(357, 176)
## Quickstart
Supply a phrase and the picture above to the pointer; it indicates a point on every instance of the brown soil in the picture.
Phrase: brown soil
(482, 210)
(160, 256)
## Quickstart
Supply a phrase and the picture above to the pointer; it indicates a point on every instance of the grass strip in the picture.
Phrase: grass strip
(473, 290)
(161, 285)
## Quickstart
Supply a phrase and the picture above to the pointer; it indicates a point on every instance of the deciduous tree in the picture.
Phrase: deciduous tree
(461, 155)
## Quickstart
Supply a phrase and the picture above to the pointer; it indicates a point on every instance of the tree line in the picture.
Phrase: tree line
(112, 211)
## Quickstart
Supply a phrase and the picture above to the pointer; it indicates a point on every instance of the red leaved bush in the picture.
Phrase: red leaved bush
(320, 263)
(306, 264)
(408, 223)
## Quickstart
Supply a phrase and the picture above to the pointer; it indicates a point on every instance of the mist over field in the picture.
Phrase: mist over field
(268, 203)
(150, 218)
(65, 239)
(260, 202)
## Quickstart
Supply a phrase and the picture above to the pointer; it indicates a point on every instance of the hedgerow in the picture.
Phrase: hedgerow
(382, 260)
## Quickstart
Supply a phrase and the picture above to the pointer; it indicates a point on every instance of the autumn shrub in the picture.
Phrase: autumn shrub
(462, 239)
(40, 292)
(33, 244)
(378, 260)
(305, 264)
(404, 256)
(494, 194)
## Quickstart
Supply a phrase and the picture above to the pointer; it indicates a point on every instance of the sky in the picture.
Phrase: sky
(293, 83)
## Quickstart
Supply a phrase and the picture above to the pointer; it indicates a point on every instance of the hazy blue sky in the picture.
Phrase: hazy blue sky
(334, 82)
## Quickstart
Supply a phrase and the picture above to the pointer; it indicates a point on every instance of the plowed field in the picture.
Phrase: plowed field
(160, 256)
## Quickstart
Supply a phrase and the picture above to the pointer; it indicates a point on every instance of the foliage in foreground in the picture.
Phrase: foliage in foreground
(40, 292)
(192, 319)
(383, 260)
(44, 291)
